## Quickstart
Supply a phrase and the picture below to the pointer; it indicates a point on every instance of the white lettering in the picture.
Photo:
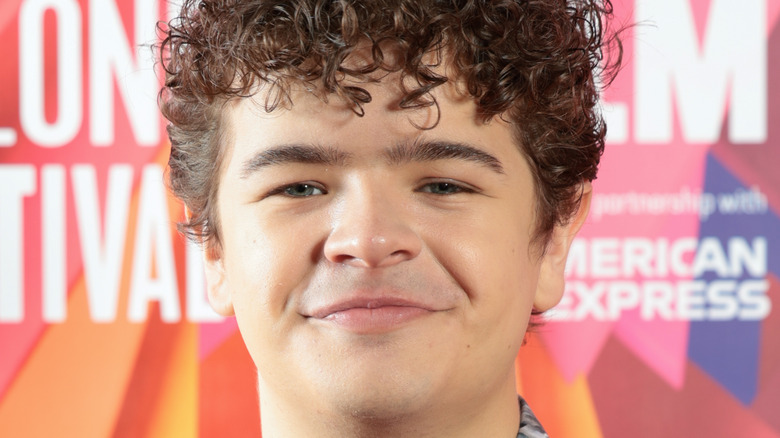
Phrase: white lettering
(102, 256)
(16, 182)
(69, 85)
(723, 303)
(55, 293)
(616, 118)
(690, 300)
(719, 300)
(576, 263)
(605, 258)
(590, 301)
(677, 255)
(710, 257)
(659, 299)
(111, 55)
(637, 257)
(742, 256)
(757, 304)
(7, 137)
(622, 295)
(662, 257)
(153, 253)
(734, 53)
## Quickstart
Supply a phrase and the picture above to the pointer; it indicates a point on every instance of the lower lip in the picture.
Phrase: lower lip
(378, 320)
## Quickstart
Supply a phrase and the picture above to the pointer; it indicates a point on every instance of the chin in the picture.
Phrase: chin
(377, 395)
(377, 406)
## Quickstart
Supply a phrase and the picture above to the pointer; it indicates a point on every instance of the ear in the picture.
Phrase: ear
(216, 280)
(549, 289)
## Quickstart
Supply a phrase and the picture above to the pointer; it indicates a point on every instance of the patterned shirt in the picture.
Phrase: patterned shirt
(529, 425)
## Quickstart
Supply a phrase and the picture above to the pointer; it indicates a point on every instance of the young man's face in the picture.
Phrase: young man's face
(376, 268)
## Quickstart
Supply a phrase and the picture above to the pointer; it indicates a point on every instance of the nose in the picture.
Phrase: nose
(370, 230)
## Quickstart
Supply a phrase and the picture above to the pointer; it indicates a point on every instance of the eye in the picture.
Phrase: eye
(296, 190)
(445, 188)
(300, 190)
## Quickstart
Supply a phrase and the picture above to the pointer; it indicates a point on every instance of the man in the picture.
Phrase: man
(385, 192)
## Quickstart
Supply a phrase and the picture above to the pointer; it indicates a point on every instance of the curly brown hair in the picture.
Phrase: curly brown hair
(534, 63)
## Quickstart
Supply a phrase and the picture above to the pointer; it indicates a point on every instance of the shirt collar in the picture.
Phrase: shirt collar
(529, 425)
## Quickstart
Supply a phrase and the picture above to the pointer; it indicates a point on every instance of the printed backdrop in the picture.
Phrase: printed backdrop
(669, 326)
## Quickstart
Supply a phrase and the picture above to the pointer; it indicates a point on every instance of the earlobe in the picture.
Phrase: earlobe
(216, 281)
(549, 290)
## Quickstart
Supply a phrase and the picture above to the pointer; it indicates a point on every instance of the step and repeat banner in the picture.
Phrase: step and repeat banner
(669, 325)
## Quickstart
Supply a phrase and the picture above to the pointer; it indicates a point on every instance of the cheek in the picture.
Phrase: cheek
(264, 274)
(274, 254)
(487, 253)
(266, 266)
(489, 259)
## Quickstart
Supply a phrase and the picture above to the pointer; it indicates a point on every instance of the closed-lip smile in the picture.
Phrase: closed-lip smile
(370, 315)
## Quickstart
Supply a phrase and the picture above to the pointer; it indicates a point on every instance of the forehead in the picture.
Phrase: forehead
(307, 116)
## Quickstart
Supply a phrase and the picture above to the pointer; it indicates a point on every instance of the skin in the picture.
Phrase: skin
(443, 244)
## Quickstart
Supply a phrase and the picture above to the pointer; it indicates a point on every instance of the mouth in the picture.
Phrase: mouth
(371, 316)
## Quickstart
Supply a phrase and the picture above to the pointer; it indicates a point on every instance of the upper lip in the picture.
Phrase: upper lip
(365, 302)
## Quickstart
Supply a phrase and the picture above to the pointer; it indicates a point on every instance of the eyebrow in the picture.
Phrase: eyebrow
(399, 154)
(441, 150)
(294, 153)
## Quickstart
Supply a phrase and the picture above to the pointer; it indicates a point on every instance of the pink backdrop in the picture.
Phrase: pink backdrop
(668, 326)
